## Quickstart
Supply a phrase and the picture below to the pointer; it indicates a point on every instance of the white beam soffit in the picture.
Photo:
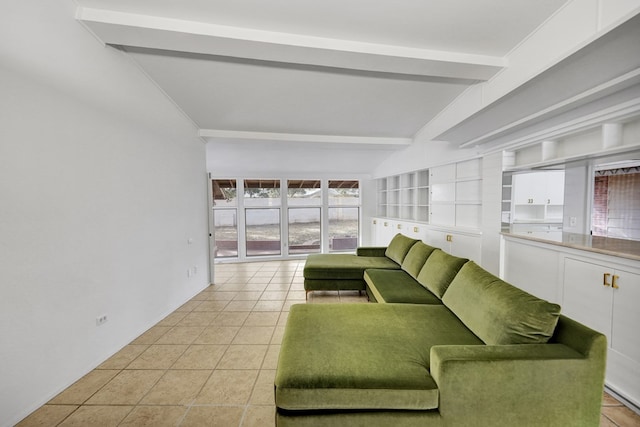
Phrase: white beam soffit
(217, 134)
(128, 29)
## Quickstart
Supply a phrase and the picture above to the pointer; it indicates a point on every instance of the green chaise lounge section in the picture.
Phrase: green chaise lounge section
(489, 354)
(333, 272)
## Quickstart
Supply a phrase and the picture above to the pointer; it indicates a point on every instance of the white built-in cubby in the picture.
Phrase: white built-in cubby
(404, 196)
(448, 195)
(441, 206)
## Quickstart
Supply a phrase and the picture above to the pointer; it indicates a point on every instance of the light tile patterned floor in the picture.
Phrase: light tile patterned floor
(211, 362)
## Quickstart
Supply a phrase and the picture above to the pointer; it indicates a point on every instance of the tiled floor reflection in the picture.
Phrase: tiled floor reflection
(211, 362)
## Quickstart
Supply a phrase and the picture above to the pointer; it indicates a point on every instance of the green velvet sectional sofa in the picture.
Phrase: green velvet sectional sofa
(476, 352)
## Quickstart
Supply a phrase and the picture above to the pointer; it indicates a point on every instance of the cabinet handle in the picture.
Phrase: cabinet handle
(605, 280)
(614, 283)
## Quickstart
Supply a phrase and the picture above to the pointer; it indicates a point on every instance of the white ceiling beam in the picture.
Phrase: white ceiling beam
(219, 134)
(128, 29)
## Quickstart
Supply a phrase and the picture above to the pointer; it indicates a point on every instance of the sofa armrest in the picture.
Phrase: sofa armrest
(523, 385)
(371, 250)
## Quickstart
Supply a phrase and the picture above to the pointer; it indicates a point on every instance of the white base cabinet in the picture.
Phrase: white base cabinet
(600, 291)
(465, 244)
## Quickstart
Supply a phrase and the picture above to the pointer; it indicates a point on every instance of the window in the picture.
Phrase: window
(225, 217)
(319, 216)
(262, 217)
(616, 204)
(304, 198)
(344, 214)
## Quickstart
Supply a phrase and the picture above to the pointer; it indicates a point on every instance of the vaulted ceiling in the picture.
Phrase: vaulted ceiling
(332, 71)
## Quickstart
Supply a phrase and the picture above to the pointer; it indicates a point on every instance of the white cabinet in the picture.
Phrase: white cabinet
(456, 194)
(544, 283)
(464, 245)
(538, 196)
(605, 297)
(600, 291)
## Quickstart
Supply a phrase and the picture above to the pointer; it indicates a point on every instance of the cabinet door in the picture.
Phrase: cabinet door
(442, 174)
(555, 188)
(526, 188)
(586, 299)
(626, 316)
(517, 270)
(438, 239)
(465, 246)
(443, 214)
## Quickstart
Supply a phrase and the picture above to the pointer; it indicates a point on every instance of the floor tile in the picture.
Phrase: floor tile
(155, 416)
(152, 335)
(221, 296)
(189, 305)
(198, 318)
(228, 387)
(248, 296)
(213, 416)
(203, 356)
(102, 416)
(85, 387)
(177, 387)
(263, 391)
(217, 335)
(172, 319)
(259, 416)
(268, 306)
(243, 357)
(274, 296)
(212, 305)
(181, 335)
(622, 416)
(254, 335)
(240, 306)
(126, 388)
(231, 318)
(47, 415)
(158, 357)
(262, 318)
(271, 358)
(124, 357)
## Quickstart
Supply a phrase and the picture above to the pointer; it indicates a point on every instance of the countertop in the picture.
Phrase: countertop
(603, 245)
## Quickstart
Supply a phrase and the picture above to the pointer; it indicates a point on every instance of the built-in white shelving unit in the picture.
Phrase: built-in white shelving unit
(404, 196)
(456, 194)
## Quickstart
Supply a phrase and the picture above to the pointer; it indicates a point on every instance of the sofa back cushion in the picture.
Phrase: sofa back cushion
(439, 270)
(398, 247)
(416, 257)
(497, 312)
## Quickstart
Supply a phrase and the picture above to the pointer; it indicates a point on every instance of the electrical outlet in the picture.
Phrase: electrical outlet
(101, 320)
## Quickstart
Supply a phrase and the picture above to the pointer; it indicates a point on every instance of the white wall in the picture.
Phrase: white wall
(102, 183)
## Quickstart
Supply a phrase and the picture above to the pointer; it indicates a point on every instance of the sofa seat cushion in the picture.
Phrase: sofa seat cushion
(363, 356)
(343, 266)
(498, 312)
(396, 286)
